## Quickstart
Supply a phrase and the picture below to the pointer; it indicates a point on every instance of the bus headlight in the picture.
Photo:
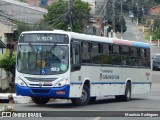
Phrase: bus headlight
(61, 83)
(20, 82)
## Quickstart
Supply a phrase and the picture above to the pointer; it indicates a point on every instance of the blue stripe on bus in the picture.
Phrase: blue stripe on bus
(141, 83)
(143, 45)
(120, 83)
(76, 83)
(79, 83)
(108, 83)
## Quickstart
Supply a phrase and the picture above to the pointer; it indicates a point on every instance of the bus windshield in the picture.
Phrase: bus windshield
(42, 59)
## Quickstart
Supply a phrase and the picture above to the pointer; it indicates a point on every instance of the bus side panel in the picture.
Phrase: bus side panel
(76, 84)
(140, 88)
(104, 80)
(113, 82)
(131, 74)
(107, 89)
(144, 84)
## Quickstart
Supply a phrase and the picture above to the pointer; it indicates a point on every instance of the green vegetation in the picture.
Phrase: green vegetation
(58, 15)
(7, 62)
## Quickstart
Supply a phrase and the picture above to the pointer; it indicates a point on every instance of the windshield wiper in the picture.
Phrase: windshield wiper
(31, 46)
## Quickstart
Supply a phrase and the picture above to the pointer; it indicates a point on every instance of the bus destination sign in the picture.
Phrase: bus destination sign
(44, 38)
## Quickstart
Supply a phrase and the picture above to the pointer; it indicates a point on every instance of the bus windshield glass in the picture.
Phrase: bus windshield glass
(42, 59)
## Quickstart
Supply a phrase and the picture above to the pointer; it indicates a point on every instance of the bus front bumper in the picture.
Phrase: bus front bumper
(61, 92)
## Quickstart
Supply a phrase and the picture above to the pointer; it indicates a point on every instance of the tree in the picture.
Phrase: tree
(156, 29)
(7, 62)
(58, 15)
(157, 1)
(119, 19)
(120, 24)
(20, 28)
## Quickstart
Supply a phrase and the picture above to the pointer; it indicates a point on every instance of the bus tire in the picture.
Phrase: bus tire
(84, 99)
(127, 95)
(40, 100)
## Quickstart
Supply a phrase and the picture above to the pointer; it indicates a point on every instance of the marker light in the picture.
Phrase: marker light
(61, 83)
(20, 82)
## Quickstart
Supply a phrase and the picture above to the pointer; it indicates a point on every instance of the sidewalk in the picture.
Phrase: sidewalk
(4, 98)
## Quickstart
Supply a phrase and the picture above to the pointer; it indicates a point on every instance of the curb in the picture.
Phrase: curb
(13, 98)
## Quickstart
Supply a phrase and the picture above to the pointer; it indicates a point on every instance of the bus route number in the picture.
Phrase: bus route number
(55, 69)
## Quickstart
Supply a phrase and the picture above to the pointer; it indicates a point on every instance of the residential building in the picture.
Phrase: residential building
(41, 3)
(155, 11)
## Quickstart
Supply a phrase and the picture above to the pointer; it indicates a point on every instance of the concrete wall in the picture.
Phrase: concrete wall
(36, 2)
(4, 28)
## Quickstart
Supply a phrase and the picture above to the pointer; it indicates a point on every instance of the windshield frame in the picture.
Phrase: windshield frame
(41, 69)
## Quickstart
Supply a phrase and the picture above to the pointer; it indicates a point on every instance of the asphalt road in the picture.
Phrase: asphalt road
(143, 102)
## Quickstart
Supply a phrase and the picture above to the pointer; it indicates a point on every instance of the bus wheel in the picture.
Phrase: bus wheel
(127, 95)
(40, 100)
(84, 99)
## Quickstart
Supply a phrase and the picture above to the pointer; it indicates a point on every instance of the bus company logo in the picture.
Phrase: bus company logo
(100, 76)
(106, 71)
(40, 84)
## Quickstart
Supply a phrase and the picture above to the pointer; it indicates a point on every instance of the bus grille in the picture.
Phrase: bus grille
(40, 91)
(40, 79)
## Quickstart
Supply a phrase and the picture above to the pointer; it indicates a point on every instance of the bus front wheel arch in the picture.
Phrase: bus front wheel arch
(84, 99)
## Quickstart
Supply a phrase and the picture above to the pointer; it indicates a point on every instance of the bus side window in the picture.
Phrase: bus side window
(86, 52)
(75, 56)
(134, 59)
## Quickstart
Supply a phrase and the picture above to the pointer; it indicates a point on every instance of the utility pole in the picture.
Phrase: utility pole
(121, 18)
(70, 7)
(151, 29)
(137, 12)
(143, 19)
(113, 15)
(106, 21)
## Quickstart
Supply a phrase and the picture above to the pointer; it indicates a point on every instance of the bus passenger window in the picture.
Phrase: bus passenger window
(116, 59)
(86, 56)
(134, 59)
(125, 53)
(106, 54)
(75, 54)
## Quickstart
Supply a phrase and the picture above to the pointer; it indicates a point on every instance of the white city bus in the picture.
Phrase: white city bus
(80, 67)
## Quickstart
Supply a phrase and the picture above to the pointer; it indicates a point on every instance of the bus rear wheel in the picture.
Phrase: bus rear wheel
(127, 94)
(84, 99)
(40, 100)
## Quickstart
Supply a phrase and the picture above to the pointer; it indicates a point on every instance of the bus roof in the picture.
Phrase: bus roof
(95, 38)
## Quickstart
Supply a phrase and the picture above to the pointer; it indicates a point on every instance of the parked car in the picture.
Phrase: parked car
(156, 62)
